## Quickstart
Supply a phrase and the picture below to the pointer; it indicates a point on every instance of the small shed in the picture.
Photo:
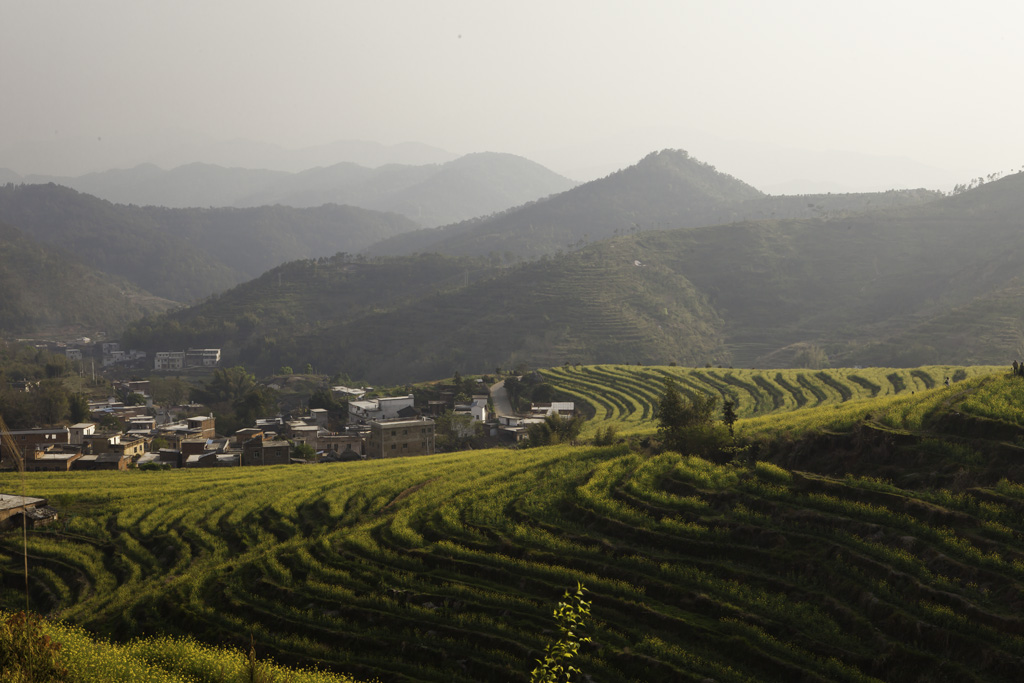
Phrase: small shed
(35, 510)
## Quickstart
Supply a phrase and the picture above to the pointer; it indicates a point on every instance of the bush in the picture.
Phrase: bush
(27, 655)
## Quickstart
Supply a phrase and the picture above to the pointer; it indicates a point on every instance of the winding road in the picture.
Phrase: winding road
(499, 397)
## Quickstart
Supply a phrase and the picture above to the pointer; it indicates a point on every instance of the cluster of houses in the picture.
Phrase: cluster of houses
(379, 428)
(384, 427)
(110, 353)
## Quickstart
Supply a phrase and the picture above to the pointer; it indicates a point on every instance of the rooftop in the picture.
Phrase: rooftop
(9, 502)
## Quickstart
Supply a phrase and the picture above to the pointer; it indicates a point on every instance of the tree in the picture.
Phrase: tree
(453, 431)
(168, 390)
(606, 437)
(554, 430)
(134, 398)
(78, 407)
(303, 451)
(256, 403)
(51, 401)
(226, 385)
(324, 398)
(729, 414)
(687, 426)
(811, 356)
(513, 388)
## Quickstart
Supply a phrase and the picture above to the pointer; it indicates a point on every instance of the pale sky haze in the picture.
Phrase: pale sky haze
(853, 94)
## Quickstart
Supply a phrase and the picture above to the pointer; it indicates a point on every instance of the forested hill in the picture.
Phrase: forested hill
(936, 283)
(664, 190)
(941, 282)
(185, 254)
(429, 194)
(44, 289)
(422, 317)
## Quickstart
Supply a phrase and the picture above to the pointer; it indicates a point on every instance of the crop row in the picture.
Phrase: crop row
(626, 396)
(446, 568)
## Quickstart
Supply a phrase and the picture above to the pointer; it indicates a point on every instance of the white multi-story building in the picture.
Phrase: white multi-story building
(169, 360)
(207, 358)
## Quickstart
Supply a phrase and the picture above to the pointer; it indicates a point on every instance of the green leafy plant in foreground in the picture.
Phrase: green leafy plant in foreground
(569, 617)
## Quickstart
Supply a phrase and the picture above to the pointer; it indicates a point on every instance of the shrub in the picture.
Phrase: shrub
(27, 655)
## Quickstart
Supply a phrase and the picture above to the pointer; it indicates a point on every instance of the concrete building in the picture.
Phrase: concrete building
(318, 416)
(202, 425)
(565, 409)
(53, 459)
(78, 432)
(103, 461)
(29, 440)
(399, 437)
(169, 360)
(383, 408)
(339, 443)
(257, 452)
(206, 358)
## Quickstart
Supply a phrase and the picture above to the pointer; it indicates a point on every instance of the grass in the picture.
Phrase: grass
(445, 567)
(626, 397)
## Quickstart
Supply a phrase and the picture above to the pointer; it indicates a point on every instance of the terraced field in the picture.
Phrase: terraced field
(625, 396)
(446, 568)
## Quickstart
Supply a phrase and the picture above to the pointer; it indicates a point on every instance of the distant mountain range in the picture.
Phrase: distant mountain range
(668, 260)
(173, 148)
(185, 254)
(667, 189)
(429, 194)
(926, 279)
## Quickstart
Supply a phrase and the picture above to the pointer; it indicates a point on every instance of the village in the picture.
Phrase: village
(128, 430)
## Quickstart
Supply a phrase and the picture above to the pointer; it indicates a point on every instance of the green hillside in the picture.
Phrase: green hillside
(936, 283)
(896, 287)
(446, 568)
(42, 288)
(416, 318)
(908, 283)
(626, 397)
(184, 254)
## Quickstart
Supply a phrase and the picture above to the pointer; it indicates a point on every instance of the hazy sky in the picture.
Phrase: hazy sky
(768, 90)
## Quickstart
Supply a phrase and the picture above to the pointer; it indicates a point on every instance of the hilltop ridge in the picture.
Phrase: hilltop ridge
(665, 190)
